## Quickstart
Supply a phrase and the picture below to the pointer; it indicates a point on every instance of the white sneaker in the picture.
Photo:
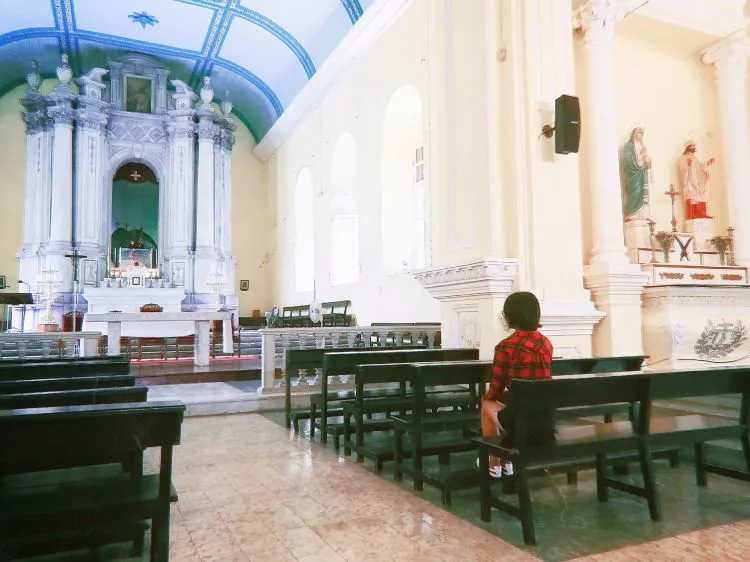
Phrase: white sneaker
(508, 469)
(495, 471)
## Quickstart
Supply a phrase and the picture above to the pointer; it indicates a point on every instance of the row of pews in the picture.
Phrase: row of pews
(73, 435)
(408, 405)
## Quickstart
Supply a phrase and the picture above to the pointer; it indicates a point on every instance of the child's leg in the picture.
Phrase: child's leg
(490, 424)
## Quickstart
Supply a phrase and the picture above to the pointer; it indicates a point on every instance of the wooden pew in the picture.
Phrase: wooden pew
(310, 359)
(696, 429)
(345, 363)
(116, 395)
(65, 383)
(74, 436)
(56, 360)
(365, 405)
(533, 398)
(46, 370)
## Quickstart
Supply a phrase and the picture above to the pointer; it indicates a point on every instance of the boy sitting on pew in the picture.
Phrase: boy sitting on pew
(525, 354)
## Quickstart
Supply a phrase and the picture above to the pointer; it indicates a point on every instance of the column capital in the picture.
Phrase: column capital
(590, 15)
(62, 115)
(729, 53)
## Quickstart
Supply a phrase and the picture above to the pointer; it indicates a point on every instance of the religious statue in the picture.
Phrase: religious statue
(695, 180)
(635, 172)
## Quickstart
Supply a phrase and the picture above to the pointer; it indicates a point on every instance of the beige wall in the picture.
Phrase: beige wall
(663, 85)
(249, 215)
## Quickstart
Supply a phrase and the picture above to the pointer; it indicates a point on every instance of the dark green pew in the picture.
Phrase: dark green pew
(116, 395)
(310, 359)
(46, 370)
(453, 397)
(533, 398)
(58, 360)
(43, 439)
(65, 383)
(345, 363)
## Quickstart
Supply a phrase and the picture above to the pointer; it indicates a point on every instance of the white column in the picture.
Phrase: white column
(268, 360)
(114, 331)
(202, 343)
(616, 285)
(729, 58)
(61, 220)
(204, 202)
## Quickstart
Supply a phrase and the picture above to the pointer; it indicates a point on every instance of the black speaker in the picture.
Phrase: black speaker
(567, 124)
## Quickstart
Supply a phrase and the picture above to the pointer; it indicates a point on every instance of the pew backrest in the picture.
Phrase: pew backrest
(65, 383)
(50, 438)
(128, 394)
(313, 358)
(707, 382)
(53, 369)
(343, 363)
(585, 365)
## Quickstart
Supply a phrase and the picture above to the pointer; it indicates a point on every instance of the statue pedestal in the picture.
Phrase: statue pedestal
(702, 231)
(637, 237)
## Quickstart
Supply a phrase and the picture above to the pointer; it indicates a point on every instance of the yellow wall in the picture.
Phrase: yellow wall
(13, 170)
(249, 203)
(663, 85)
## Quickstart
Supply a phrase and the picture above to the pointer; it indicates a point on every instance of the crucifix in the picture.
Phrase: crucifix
(75, 257)
(672, 194)
(135, 175)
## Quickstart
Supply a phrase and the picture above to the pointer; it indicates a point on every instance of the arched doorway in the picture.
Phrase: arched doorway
(134, 239)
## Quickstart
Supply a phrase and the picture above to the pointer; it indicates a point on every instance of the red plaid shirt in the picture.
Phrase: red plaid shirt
(522, 355)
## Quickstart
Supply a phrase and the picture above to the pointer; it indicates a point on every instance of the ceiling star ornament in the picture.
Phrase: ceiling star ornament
(143, 18)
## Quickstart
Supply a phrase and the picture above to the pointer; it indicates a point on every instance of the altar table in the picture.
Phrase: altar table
(200, 320)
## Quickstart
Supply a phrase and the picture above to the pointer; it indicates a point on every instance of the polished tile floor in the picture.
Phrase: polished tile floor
(251, 491)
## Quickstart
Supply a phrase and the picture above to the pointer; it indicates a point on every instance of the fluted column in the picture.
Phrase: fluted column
(61, 221)
(729, 57)
(204, 203)
(616, 284)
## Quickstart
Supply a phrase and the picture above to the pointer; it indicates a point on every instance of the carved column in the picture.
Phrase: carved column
(729, 57)
(61, 217)
(91, 121)
(616, 284)
(205, 206)
(223, 202)
(181, 130)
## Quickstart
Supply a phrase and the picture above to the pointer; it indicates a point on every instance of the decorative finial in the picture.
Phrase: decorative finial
(226, 104)
(32, 78)
(207, 92)
(64, 73)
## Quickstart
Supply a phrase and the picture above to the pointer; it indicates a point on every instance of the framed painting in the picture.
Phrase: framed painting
(139, 94)
(90, 273)
(135, 281)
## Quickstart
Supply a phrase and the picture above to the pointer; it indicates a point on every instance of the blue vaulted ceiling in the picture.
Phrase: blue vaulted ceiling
(262, 52)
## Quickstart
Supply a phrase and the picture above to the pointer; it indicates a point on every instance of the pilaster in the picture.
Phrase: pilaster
(729, 57)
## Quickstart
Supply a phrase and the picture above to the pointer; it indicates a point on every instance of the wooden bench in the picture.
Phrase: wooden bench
(532, 399)
(65, 383)
(438, 432)
(310, 359)
(696, 429)
(56, 360)
(53, 369)
(336, 313)
(127, 394)
(74, 436)
(345, 363)
(365, 404)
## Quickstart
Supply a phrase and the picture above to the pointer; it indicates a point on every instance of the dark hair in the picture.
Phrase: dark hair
(521, 311)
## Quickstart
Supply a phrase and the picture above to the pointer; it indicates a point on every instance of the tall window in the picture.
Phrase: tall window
(404, 217)
(345, 218)
(304, 237)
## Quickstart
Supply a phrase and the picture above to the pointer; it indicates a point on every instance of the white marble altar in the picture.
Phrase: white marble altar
(83, 139)
(198, 322)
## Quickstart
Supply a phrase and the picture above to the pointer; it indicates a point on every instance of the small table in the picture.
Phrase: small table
(202, 321)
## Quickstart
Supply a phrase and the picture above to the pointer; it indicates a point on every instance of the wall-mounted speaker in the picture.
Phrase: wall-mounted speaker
(567, 124)
(567, 129)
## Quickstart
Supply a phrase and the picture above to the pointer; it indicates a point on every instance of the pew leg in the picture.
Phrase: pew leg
(417, 457)
(398, 455)
(485, 499)
(524, 504)
(445, 496)
(700, 465)
(674, 459)
(360, 437)
(572, 477)
(602, 491)
(347, 434)
(746, 449)
(313, 415)
(160, 537)
(649, 482)
(607, 418)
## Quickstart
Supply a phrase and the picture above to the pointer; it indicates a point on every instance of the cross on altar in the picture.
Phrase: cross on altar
(672, 194)
(135, 175)
(75, 257)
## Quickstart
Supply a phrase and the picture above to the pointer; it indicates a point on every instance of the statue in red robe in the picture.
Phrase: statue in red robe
(695, 181)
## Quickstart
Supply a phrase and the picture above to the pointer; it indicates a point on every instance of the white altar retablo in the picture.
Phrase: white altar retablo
(130, 299)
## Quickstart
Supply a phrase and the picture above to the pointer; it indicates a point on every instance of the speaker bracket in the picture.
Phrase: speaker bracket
(548, 131)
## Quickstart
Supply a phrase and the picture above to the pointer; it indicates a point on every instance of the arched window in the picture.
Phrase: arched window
(404, 210)
(304, 238)
(345, 216)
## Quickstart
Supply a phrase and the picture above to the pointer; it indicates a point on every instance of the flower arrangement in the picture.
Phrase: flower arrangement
(665, 240)
(721, 243)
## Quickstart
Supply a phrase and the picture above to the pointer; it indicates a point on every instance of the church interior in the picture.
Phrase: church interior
(291, 280)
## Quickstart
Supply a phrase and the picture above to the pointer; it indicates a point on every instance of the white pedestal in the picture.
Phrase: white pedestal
(687, 327)
(637, 236)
